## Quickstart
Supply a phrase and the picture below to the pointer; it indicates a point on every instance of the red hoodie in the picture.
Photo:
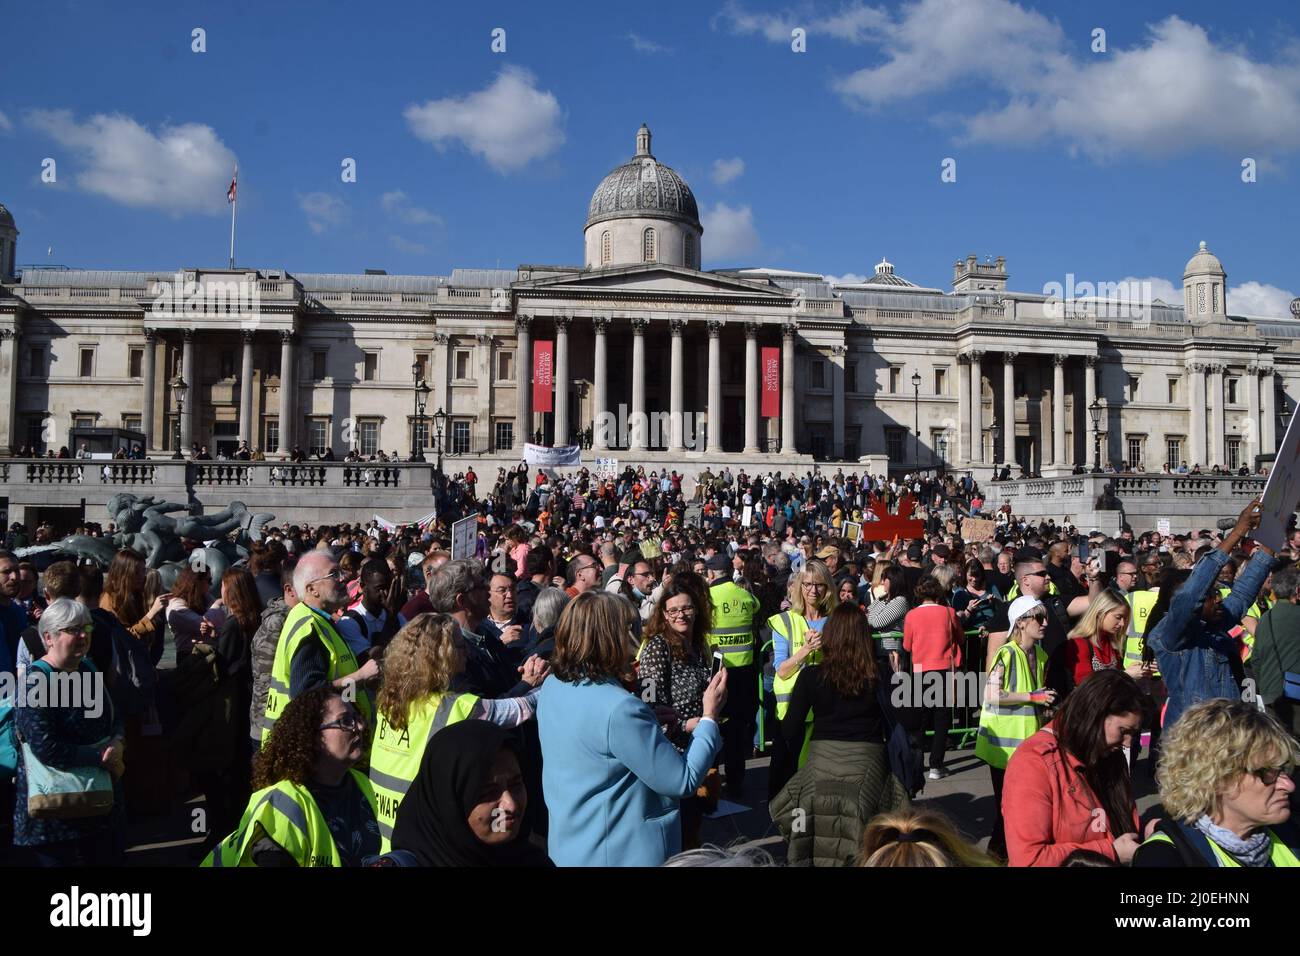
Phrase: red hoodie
(933, 637)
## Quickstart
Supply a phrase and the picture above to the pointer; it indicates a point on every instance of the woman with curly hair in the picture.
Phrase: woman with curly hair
(917, 838)
(417, 700)
(310, 806)
(1226, 785)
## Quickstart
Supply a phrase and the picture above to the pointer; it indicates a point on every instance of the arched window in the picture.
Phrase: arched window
(648, 245)
(605, 251)
(690, 251)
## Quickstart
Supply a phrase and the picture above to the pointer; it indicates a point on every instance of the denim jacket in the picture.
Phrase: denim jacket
(1200, 661)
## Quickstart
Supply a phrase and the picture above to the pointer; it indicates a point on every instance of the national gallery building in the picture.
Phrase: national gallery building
(757, 367)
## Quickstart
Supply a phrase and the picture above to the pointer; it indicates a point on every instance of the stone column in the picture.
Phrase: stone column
(1090, 396)
(561, 380)
(287, 386)
(1217, 456)
(837, 400)
(523, 382)
(715, 388)
(961, 438)
(192, 396)
(1008, 407)
(751, 388)
(600, 387)
(976, 407)
(1251, 433)
(150, 372)
(1268, 418)
(675, 411)
(637, 420)
(787, 388)
(1196, 415)
(245, 389)
(9, 375)
(1058, 410)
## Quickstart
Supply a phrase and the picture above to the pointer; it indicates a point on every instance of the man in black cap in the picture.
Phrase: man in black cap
(910, 563)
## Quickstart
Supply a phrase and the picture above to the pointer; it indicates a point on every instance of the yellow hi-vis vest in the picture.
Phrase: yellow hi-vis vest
(1279, 853)
(1140, 604)
(794, 628)
(733, 623)
(1247, 637)
(395, 755)
(288, 814)
(1014, 591)
(303, 624)
(1004, 727)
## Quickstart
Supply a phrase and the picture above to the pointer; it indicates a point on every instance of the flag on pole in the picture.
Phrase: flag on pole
(230, 193)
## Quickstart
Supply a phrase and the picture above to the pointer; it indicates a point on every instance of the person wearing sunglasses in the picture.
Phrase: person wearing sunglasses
(310, 806)
(1226, 785)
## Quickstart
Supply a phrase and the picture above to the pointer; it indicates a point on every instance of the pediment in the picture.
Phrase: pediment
(655, 279)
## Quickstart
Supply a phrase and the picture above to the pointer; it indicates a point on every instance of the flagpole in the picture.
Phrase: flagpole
(233, 204)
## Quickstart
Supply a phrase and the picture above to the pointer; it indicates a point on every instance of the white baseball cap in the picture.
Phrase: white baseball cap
(1019, 608)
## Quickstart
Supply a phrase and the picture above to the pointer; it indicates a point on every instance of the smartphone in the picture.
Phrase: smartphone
(718, 664)
(1083, 551)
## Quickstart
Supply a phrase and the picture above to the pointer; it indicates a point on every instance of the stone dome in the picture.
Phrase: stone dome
(1203, 263)
(643, 188)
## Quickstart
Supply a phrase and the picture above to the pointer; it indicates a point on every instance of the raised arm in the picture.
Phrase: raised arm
(636, 740)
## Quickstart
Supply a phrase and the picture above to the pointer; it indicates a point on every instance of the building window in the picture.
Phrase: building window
(227, 364)
(939, 442)
(1234, 453)
(171, 433)
(505, 366)
(1132, 388)
(1232, 391)
(370, 370)
(689, 251)
(86, 364)
(941, 381)
(1136, 453)
(606, 249)
(318, 365)
(851, 383)
(368, 436)
(131, 423)
(36, 433)
(135, 363)
(648, 245)
(422, 361)
(83, 421)
(817, 374)
(420, 434)
(895, 443)
(460, 438)
(850, 449)
(270, 435)
(1173, 453)
(505, 436)
(318, 436)
(895, 378)
(462, 364)
(1200, 297)
(36, 362)
(1173, 391)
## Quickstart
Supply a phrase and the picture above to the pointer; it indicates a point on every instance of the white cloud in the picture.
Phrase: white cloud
(179, 169)
(642, 45)
(1258, 298)
(5, 124)
(405, 245)
(849, 278)
(725, 170)
(509, 123)
(398, 205)
(322, 209)
(729, 232)
(1151, 98)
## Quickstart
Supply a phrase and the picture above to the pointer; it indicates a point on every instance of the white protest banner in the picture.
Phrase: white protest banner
(1162, 525)
(384, 523)
(548, 457)
(747, 516)
(464, 538)
(1281, 491)
(606, 468)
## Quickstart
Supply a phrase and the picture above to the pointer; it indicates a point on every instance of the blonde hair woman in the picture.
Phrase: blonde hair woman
(417, 699)
(917, 838)
(1097, 641)
(796, 639)
(1226, 784)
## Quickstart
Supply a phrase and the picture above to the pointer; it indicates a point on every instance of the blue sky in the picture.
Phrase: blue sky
(1108, 165)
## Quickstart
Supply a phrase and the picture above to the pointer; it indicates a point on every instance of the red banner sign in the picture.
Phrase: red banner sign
(771, 366)
(543, 376)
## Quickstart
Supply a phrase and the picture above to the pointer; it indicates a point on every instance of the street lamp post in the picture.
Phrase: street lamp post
(1094, 412)
(995, 432)
(417, 443)
(179, 388)
(439, 420)
(916, 418)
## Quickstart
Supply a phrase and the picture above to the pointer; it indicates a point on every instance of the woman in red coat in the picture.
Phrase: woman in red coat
(933, 637)
(1067, 787)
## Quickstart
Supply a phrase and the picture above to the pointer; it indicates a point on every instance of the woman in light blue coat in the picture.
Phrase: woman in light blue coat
(612, 780)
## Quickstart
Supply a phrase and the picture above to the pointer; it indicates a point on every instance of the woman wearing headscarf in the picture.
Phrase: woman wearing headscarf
(467, 803)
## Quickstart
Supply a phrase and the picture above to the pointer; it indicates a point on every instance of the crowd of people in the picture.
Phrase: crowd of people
(587, 685)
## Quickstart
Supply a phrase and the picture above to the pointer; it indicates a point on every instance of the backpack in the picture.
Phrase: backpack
(131, 678)
(385, 634)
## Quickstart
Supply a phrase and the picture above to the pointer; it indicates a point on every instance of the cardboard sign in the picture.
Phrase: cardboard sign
(605, 468)
(747, 516)
(651, 547)
(852, 531)
(1281, 491)
(975, 530)
(464, 538)
(1162, 525)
